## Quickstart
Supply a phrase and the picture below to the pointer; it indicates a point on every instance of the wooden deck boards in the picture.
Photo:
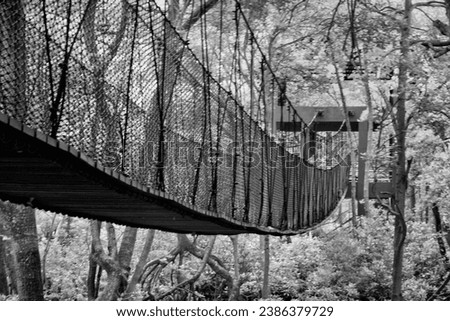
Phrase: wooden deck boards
(49, 175)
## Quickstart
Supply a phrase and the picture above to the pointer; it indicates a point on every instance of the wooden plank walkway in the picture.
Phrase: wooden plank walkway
(44, 173)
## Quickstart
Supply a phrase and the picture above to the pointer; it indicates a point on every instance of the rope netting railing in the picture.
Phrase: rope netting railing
(115, 80)
(329, 149)
(230, 50)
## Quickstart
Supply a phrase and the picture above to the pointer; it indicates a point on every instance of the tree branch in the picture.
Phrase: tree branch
(112, 242)
(431, 43)
(114, 47)
(197, 14)
(98, 254)
(437, 4)
(206, 257)
(442, 287)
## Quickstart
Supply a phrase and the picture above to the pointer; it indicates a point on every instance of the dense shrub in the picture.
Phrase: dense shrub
(356, 265)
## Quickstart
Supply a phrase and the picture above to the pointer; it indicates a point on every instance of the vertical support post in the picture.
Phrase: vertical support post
(309, 144)
(329, 150)
(306, 144)
(363, 132)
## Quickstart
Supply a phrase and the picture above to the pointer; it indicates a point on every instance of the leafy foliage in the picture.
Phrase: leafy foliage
(67, 262)
(356, 265)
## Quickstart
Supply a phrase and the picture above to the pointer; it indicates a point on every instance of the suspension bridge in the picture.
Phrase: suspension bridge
(106, 113)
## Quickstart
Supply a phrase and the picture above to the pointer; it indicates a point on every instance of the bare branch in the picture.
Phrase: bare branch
(440, 52)
(98, 254)
(436, 4)
(333, 17)
(205, 260)
(197, 14)
(114, 47)
(387, 207)
(442, 287)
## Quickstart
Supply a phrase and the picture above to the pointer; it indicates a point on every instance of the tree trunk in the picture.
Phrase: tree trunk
(125, 255)
(139, 270)
(4, 289)
(20, 221)
(233, 283)
(194, 278)
(153, 269)
(46, 251)
(353, 157)
(234, 290)
(265, 243)
(117, 266)
(401, 178)
(439, 231)
(367, 159)
(413, 199)
(92, 288)
(92, 272)
(10, 267)
(427, 207)
(119, 272)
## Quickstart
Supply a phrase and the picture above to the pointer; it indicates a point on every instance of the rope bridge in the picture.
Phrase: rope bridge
(107, 113)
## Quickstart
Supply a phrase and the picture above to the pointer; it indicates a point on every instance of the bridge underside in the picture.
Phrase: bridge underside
(46, 174)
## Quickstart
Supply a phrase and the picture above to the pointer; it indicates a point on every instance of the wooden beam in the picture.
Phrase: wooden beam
(325, 118)
(330, 114)
(317, 126)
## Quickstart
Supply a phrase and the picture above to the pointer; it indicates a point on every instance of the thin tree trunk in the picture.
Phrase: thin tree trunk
(234, 291)
(413, 199)
(265, 244)
(139, 270)
(125, 255)
(92, 271)
(427, 207)
(397, 273)
(350, 137)
(68, 227)
(46, 250)
(10, 267)
(119, 271)
(368, 157)
(117, 266)
(401, 178)
(439, 231)
(91, 288)
(3, 276)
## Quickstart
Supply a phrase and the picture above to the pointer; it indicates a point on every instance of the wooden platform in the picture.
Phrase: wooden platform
(324, 119)
(44, 173)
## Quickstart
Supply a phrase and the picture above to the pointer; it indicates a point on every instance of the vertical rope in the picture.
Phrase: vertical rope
(159, 180)
(128, 98)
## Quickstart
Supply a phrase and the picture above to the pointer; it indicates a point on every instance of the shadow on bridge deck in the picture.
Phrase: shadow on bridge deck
(40, 171)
